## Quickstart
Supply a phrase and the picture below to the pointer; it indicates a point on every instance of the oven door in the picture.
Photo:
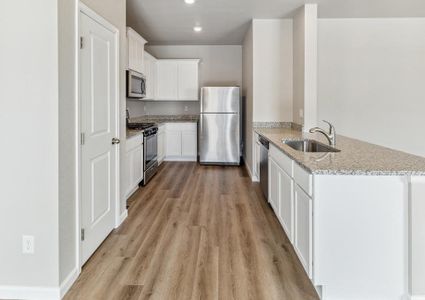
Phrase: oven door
(136, 85)
(150, 151)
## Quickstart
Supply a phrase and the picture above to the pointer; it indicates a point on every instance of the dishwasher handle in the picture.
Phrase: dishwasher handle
(264, 142)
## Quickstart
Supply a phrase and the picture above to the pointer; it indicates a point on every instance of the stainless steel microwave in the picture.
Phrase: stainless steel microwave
(136, 85)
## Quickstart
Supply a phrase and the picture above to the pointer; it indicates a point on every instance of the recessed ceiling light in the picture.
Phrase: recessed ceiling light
(189, 1)
(197, 28)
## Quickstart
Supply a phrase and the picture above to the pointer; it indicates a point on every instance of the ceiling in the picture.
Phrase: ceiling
(225, 22)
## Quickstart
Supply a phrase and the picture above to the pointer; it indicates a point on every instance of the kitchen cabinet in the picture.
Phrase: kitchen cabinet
(286, 203)
(161, 143)
(274, 185)
(181, 142)
(188, 86)
(256, 158)
(303, 217)
(291, 204)
(149, 70)
(177, 79)
(167, 79)
(135, 47)
(336, 221)
(133, 164)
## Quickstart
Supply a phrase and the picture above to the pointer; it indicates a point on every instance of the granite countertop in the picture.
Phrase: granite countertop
(166, 119)
(356, 157)
(160, 119)
(133, 132)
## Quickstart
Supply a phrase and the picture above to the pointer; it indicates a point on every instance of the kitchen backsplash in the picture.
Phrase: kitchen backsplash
(142, 108)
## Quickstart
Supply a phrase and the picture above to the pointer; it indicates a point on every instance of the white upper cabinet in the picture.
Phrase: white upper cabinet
(149, 70)
(177, 79)
(167, 80)
(188, 86)
(136, 46)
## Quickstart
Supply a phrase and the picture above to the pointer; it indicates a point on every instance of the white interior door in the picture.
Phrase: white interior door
(98, 119)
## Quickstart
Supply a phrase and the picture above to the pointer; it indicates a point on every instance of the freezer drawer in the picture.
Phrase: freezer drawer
(219, 139)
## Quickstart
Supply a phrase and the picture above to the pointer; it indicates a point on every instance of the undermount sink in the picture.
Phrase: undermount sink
(310, 146)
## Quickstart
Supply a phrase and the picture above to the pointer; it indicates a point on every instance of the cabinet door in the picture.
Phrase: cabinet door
(173, 143)
(274, 182)
(128, 174)
(189, 144)
(161, 145)
(166, 83)
(303, 228)
(286, 203)
(188, 80)
(137, 165)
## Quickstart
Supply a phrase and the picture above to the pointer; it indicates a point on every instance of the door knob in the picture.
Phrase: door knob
(115, 141)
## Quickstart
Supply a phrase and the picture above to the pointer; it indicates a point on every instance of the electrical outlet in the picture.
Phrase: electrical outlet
(186, 108)
(28, 244)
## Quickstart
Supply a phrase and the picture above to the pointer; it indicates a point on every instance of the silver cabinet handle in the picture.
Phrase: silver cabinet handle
(115, 141)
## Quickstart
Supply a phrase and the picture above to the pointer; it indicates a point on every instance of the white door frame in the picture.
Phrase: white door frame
(82, 8)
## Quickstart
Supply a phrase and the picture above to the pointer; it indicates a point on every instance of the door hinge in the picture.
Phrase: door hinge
(81, 42)
(82, 234)
(82, 138)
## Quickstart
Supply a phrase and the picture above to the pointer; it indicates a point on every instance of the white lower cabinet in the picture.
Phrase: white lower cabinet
(181, 142)
(274, 186)
(348, 231)
(286, 204)
(133, 164)
(292, 205)
(303, 216)
(161, 143)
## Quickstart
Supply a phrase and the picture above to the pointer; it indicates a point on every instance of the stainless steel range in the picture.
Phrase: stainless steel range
(150, 148)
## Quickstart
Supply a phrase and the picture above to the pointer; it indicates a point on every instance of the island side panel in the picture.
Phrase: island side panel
(361, 236)
(417, 237)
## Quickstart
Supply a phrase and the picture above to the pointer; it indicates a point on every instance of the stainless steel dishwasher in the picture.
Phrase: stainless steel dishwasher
(264, 166)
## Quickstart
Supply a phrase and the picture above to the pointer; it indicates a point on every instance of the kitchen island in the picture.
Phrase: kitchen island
(355, 217)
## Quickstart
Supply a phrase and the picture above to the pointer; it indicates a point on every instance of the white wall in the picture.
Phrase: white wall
(29, 129)
(305, 66)
(248, 95)
(272, 59)
(67, 10)
(372, 80)
(220, 65)
(115, 12)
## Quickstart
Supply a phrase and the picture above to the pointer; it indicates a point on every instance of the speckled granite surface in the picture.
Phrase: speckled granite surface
(159, 119)
(132, 133)
(272, 124)
(356, 157)
(166, 118)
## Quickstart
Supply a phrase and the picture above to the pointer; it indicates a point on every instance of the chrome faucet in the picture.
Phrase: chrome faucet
(331, 136)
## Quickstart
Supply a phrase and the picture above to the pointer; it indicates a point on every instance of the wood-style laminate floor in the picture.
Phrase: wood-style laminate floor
(196, 232)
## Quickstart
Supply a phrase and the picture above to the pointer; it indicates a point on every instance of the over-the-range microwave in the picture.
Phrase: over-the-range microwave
(136, 85)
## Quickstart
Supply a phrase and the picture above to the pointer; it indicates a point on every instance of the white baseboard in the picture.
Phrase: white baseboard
(417, 297)
(253, 178)
(30, 293)
(123, 216)
(180, 158)
(68, 282)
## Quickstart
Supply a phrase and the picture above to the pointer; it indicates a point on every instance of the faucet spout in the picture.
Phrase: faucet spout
(331, 136)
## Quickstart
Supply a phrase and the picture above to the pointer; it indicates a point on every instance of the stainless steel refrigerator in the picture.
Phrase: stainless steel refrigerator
(219, 126)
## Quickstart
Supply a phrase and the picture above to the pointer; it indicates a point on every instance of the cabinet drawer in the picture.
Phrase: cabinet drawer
(304, 179)
(282, 160)
(133, 142)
